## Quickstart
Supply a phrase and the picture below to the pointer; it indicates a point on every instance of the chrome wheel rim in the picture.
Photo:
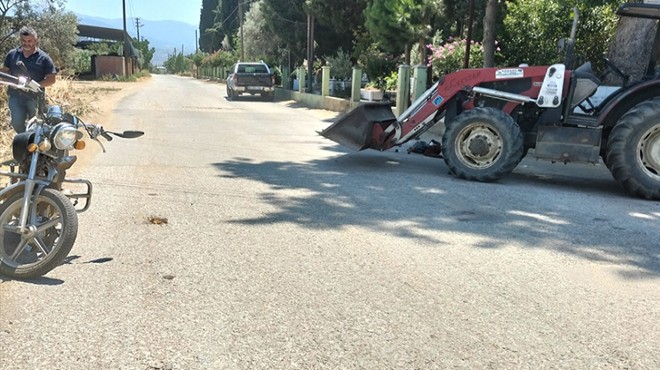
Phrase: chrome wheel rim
(479, 146)
(38, 242)
(648, 152)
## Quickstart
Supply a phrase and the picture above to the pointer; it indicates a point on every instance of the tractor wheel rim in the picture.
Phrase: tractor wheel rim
(479, 146)
(648, 150)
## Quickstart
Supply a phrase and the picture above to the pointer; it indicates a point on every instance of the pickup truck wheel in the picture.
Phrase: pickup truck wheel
(482, 144)
(231, 93)
(633, 150)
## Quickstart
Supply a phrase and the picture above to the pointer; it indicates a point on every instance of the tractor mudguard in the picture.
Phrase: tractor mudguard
(619, 103)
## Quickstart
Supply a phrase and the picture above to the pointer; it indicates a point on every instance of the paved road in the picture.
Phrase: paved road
(282, 250)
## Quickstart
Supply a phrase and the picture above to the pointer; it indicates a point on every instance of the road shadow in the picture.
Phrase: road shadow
(253, 98)
(43, 280)
(358, 189)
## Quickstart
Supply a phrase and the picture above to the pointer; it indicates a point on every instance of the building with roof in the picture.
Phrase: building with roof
(114, 65)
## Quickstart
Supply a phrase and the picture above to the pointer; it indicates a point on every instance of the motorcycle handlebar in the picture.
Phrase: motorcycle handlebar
(96, 130)
(20, 83)
(8, 77)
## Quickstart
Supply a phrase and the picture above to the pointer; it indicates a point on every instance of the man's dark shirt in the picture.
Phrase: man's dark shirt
(39, 64)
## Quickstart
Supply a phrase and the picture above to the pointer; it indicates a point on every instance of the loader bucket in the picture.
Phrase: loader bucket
(355, 129)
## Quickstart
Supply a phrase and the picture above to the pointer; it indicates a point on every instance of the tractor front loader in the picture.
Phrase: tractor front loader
(493, 116)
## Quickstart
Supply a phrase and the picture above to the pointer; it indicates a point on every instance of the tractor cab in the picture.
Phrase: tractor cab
(646, 11)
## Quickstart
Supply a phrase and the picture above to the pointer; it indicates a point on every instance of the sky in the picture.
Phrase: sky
(154, 10)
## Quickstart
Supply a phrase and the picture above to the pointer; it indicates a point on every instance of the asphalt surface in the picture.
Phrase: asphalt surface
(232, 236)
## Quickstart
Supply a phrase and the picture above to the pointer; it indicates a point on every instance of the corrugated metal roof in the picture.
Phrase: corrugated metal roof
(111, 34)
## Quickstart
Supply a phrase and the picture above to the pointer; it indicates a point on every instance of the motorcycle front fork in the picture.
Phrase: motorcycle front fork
(30, 184)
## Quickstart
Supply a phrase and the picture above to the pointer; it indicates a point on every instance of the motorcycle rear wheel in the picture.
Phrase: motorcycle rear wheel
(51, 233)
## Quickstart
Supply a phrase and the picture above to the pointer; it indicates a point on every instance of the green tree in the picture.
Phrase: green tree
(398, 24)
(227, 18)
(146, 53)
(258, 42)
(338, 22)
(533, 28)
(385, 21)
(209, 37)
(340, 65)
(221, 58)
(56, 27)
(286, 20)
(9, 24)
(456, 17)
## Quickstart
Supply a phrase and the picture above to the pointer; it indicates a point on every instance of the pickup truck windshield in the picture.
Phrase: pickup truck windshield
(257, 68)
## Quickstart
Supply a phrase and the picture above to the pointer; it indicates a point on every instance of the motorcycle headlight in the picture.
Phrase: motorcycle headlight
(64, 136)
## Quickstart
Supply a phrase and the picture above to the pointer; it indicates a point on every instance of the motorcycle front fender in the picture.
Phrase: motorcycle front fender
(18, 187)
(11, 190)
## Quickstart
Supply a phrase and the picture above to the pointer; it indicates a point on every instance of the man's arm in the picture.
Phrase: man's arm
(49, 80)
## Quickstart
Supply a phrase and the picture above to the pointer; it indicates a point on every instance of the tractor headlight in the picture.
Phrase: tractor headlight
(64, 136)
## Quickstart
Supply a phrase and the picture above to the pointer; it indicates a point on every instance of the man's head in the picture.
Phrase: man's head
(29, 39)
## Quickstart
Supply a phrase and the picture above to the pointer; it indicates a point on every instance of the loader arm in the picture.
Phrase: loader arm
(374, 126)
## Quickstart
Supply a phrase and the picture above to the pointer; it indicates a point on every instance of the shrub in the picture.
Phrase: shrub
(377, 64)
(450, 57)
(340, 64)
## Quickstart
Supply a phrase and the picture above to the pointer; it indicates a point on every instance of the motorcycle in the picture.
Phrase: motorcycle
(38, 217)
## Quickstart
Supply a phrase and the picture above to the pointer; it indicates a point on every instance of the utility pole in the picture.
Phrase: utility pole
(123, 8)
(240, 22)
(310, 53)
(138, 25)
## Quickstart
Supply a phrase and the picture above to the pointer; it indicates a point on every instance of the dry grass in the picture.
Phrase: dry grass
(6, 131)
(81, 98)
(85, 99)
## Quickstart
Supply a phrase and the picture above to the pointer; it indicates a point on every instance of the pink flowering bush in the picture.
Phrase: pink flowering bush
(450, 56)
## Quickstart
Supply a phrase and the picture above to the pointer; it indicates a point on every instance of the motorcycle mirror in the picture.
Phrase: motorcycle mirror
(68, 117)
(129, 134)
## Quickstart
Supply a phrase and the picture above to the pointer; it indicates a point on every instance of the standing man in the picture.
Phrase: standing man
(40, 68)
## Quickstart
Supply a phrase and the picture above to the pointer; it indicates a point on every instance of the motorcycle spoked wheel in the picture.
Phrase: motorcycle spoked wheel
(52, 232)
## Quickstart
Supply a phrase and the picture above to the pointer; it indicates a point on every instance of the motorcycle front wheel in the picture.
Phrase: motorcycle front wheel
(47, 240)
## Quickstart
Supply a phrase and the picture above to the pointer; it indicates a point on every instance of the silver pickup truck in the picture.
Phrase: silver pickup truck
(250, 78)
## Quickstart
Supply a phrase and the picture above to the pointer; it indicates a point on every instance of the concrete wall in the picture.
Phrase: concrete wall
(112, 65)
(314, 101)
(324, 101)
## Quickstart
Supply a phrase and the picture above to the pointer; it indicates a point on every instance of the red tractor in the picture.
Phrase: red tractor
(494, 115)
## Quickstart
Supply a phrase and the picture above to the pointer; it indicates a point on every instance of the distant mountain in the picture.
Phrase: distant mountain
(164, 36)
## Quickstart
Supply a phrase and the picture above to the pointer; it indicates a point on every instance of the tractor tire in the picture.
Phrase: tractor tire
(633, 150)
(482, 144)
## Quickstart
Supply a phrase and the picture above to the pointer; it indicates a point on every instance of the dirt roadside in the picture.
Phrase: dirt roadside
(103, 97)
(92, 101)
